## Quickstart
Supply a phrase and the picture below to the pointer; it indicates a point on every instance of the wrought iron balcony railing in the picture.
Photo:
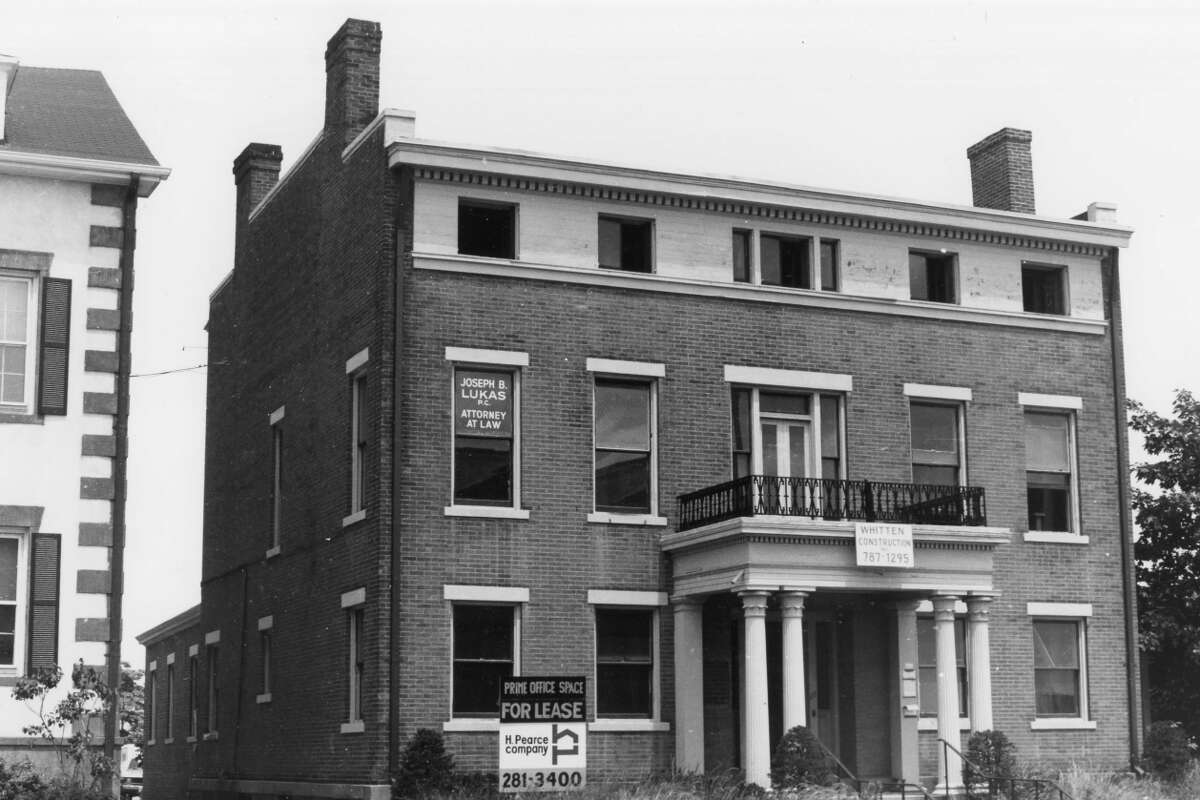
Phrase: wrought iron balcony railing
(821, 498)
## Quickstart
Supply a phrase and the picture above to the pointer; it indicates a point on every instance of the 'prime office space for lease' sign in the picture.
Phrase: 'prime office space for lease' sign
(884, 544)
(543, 734)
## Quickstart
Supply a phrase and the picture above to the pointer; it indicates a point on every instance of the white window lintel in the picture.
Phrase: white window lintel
(1076, 610)
(355, 597)
(788, 378)
(1050, 400)
(276, 416)
(170, 659)
(641, 369)
(266, 623)
(212, 637)
(496, 594)
(622, 597)
(152, 666)
(932, 392)
(474, 355)
(194, 651)
(357, 361)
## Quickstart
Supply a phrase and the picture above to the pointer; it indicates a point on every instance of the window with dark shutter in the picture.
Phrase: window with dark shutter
(43, 600)
(56, 334)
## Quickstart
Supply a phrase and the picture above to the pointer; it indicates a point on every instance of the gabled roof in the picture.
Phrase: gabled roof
(70, 112)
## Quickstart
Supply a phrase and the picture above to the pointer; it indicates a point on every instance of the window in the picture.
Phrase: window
(927, 665)
(1049, 456)
(276, 419)
(484, 652)
(936, 443)
(932, 276)
(1057, 668)
(1044, 288)
(626, 244)
(484, 430)
(17, 343)
(151, 696)
(741, 255)
(799, 433)
(355, 617)
(784, 261)
(358, 442)
(214, 691)
(12, 590)
(193, 693)
(624, 662)
(169, 728)
(264, 648)
(829, 265)
(487, 228)
(624, 429)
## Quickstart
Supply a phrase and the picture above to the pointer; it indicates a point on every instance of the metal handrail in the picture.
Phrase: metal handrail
(833, 499)
(995, 781)
(877, 786)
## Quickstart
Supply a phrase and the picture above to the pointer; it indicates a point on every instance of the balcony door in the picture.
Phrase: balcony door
(787, 451)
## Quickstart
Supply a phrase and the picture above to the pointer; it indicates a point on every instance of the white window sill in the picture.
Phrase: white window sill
(628, 726)
(211, 736)
(191, 740)
(604, 517)
(168, 740)
(265, 697)
(150, 742)
(468, 725)
(357, 516)
(274, 551)
(487, 512)
(353, 727)
(1055, 537)
(930, 724)
(1062, 724)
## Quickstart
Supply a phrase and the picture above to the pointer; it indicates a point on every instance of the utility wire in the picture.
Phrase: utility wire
(168, 371)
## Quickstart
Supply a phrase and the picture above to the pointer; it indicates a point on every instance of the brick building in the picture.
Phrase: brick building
(72, 170)
(486, 412)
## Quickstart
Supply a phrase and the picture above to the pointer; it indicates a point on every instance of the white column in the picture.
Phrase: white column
(949, 762)
(906, 761)
(794, 712)
(979, 662)
(689, 685)
(756, 734)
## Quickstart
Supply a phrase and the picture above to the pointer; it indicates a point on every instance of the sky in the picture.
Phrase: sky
(882, 98)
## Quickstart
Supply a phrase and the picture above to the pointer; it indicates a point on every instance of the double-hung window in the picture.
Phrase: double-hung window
(627, 670)
(354, 606)
(485, 646)
(13, 608)
(169, 723)
(265, 626)
(17, 343)
(151, 702)
(937, 434)
(785, 260)
(356, 370)
(212, 653)
(33, 368)
(927, 665)
(626, 243)
(933, 276)
(1050, 470)
(276, 420)
(1044, 288)
(1060, 664)
(625, 430)
(486, 431)
(193, 692)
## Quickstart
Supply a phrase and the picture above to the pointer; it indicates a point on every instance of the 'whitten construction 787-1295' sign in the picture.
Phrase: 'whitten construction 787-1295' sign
(543, 734)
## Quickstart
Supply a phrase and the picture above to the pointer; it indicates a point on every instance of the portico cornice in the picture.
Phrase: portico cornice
(822, 532)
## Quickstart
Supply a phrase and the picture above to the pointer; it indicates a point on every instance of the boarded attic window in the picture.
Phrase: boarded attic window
(487, 228)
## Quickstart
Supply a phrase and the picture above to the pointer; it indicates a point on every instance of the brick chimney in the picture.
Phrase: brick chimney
(352, 78)
(255, 172)
(1002, 171)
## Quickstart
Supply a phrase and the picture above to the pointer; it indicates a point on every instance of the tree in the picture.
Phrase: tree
(132, 705)
(1167, 512)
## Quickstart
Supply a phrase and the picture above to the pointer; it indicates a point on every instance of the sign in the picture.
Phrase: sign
(543, 734)
(884, 544)
(483, 403)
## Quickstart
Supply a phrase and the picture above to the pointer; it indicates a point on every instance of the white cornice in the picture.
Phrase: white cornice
(87, 170)
(715, 188)
(475, 266)
(801, 528)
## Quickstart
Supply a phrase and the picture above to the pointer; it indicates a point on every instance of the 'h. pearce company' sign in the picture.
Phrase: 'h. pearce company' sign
(543, 734)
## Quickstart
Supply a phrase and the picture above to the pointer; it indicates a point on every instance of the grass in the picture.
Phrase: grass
(1085, 785)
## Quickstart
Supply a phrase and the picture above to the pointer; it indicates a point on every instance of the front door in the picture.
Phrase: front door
(821, 676)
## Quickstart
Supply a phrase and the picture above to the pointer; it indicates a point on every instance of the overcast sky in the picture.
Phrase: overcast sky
(879, 98)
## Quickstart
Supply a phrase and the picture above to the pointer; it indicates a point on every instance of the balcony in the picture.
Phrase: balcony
(825, 499)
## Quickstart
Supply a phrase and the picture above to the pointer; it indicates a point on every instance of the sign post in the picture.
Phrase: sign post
(543, 734)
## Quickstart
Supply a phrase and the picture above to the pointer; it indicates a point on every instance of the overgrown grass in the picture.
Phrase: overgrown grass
(1088, 785)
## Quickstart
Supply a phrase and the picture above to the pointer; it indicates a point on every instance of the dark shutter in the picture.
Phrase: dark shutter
(56, 335)
(43, 600)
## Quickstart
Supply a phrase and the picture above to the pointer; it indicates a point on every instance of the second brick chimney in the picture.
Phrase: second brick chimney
(1002, 171)
(255, 172)
(352, 78)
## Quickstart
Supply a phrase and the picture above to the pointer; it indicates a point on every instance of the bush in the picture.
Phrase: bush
(425, 767)
(989, 755)
(801, 760)
(1166, 752)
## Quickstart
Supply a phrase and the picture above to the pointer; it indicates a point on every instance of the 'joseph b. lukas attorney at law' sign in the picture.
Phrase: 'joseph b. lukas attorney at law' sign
(883, 544)
(543, 734)
(483, 403)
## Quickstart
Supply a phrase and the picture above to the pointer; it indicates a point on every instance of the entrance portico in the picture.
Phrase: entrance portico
(815, 640)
